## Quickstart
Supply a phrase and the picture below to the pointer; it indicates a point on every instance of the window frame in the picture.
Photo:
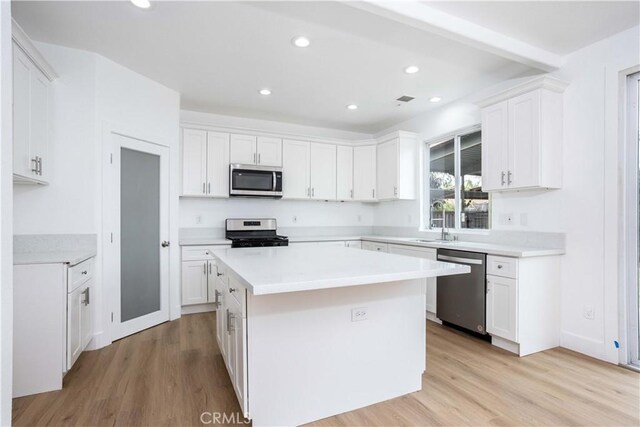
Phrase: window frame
(425, 190)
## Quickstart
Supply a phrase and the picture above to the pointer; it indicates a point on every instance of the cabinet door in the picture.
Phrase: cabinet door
(524, 140)
(74, 325)
(295, 169)
(387, 170)
(357, 244)
(221, 320)
(269, 151)
(323, 171)
(495, 147)
(194, 282)
(39, 142)
(344, 173)
(364, 173)
(217, 164)
(502, 307)
(243, 149)
(22, 163)
(194, 162)
(211, 281)
(86, 318)
(238, 329)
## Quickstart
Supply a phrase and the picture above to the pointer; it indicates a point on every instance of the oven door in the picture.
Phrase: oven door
(255, 181)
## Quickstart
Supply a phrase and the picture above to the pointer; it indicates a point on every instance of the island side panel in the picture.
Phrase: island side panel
(308, 360)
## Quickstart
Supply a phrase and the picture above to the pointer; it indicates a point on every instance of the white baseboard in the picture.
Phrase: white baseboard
(510, 346)
(432, 316)
(198, 308)
(98, 341)
(585, 345)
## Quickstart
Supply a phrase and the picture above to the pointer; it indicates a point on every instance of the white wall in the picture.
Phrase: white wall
(586, 208)
(91, 93)
(6, 225)
(212, 212)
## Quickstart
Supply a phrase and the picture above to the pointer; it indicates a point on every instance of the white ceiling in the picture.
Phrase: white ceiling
(557, 26)
(219, 54)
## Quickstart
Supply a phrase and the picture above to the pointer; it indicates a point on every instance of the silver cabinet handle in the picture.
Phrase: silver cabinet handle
(204, 188)
(502, 178)
(85, 301)
(34, 168)
(40, 166)
(460, 260)
(351, 193)
(254, 158)
(259, 161)
(313, 192)
(209, 267)
(232, 322)
(373, 193)
(217, 302)
(208, 188)
(509, 180)
(395, 191)
(308, 191)
(205, 268)
(228, 322)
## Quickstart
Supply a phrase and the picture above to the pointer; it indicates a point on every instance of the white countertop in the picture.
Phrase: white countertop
(276, 270)
(52, 257)
(484, 247)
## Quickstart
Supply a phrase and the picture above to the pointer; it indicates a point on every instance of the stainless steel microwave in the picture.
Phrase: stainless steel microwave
(255, 181)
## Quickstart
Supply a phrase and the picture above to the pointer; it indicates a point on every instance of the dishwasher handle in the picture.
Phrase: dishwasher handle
(459, 259)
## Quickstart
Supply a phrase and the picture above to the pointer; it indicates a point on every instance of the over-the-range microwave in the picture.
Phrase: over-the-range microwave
(255, 181)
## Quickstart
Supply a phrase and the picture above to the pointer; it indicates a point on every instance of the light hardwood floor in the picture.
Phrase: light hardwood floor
(170, 374)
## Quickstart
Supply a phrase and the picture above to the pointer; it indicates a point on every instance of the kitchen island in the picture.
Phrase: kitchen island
(310, 332)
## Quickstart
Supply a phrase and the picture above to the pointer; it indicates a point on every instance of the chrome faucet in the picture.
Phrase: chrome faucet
(444, 234)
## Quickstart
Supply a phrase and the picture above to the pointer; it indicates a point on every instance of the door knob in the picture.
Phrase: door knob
(165, 244)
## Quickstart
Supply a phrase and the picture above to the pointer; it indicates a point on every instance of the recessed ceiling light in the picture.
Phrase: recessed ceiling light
(300, 41)
(264, 92)
(411, 69)
(352, 107)
(142, 4)
(435, 99)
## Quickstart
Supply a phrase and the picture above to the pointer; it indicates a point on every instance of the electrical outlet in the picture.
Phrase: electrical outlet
(358, 314)
(359, 218)
(198, 219)
(588, 312)
(506, 219)
(295, 219)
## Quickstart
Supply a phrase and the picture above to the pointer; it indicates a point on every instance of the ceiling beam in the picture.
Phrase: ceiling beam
(424, 17)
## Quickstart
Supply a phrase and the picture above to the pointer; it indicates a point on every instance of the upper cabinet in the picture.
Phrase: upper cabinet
(32, 78)
(344, 172)
(205, 163)
(295, 169)
(252, 150)
(364, 173)
(396, 166)
(522, 137)
(323, 171)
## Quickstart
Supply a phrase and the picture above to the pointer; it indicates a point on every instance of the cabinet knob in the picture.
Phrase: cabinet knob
(499, 266)
(165, 244)
(83, 272)
(232, 290)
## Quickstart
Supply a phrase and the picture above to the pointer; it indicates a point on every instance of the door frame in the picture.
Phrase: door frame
(110, 262)
(629, 224)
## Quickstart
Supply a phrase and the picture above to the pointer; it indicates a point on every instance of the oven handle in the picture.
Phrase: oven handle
(461, 260)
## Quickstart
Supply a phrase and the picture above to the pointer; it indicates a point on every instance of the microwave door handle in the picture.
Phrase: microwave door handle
(274, 181)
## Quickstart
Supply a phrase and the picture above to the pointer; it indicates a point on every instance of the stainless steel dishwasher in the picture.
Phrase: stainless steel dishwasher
(461, 299)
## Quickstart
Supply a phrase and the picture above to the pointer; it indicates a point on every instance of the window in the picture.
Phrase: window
(453, 182)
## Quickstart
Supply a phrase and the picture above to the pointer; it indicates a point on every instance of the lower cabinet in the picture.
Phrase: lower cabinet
(374, 246)
(502, 307)
(199, 271)
(231, 332)
(79, 317)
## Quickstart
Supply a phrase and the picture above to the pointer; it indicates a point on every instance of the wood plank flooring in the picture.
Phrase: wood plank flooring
(170, 374)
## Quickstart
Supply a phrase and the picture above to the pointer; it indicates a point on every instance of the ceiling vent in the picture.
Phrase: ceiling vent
(405, 98)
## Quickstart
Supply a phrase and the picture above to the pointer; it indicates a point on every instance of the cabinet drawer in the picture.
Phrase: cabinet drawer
(198, 253)
(79, 274)
(502, 266)
(373, 246)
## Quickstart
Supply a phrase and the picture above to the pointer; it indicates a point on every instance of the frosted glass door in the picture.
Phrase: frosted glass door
(140, 231)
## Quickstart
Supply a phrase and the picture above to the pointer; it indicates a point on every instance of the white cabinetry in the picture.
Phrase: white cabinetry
(364, 173)
(252, 150)
(295, 169)
(323, 171)
(396, 167)
(231, 333)
(374, 246)
(427, 253)
(205, 163)
(522, 303)
(31, 120)
(199, 274)
(522, 137)
(344, 172)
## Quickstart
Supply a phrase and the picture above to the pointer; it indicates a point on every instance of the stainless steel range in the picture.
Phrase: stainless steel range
(253, 232)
